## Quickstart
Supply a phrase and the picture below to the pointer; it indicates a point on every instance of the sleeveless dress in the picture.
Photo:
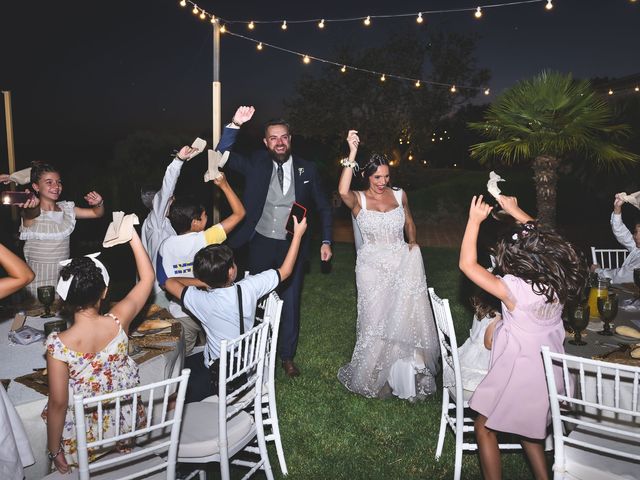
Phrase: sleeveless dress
(513, 395)
(92, 374)
(47, 244)
(396, 341)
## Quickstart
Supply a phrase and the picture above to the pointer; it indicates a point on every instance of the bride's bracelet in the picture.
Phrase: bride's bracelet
(346, 163)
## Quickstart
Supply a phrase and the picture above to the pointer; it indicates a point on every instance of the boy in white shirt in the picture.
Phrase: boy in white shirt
(213, 299)
(175, 255)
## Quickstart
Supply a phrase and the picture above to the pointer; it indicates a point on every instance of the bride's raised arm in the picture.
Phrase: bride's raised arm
(347, 195)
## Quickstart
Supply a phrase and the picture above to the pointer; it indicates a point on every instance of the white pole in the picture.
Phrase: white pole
(217, 115)
(6, 95)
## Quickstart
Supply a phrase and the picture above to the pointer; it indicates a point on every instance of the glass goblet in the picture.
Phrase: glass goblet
(46, 296)
(578, 319)
(608, 309)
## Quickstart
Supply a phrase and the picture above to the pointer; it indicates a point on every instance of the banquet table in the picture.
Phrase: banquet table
(598, 346)
(19, 360)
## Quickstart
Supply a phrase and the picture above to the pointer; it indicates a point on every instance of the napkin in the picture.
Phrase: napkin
(199, 145)
(630, 305)
(492, 184)
(21, 177)
(632, 198)
(216, 159)
(120, 229)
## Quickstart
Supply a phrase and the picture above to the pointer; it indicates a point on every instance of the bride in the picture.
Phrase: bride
(396, 347)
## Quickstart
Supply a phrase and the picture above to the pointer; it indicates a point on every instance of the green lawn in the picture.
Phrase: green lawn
(329, 432)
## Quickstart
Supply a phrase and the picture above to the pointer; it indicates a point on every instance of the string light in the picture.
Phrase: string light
(410, 157)
(417, 83)
(419, 19)
(202, 15)
(183, 3)
(453, 89)
(321, 24)
(284, 25)
(637, 89)
(383, 78)
(549, 5)
(223, 29)
(610, 92)
(367, 21)
(306, 59)
(251, 25)
(213, 19)
(343, 69)
(259, 47)
(195, 10)
(478, 13)
(487, 91)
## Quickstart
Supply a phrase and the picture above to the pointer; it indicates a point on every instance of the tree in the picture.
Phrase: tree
(327, 106)
(548, 120)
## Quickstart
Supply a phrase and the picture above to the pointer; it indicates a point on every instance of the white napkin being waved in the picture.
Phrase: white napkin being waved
(631, 198)
(492, 184)
(216, 160)
(198, 145)
(120, 229)
(21, 177)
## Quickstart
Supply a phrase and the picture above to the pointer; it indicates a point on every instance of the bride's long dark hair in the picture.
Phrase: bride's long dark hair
(369, 167)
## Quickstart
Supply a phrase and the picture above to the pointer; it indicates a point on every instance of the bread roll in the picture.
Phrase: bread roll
(635, 353)
(156, 324)
(627, 331)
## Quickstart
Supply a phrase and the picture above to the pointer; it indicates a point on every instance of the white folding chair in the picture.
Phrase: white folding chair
(155, 446)
(608, 257)
(600, 408)
(453, 396)
(215, 431)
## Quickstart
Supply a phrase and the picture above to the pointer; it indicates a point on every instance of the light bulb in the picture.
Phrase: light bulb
(321, 23)
(202, 15)
(453, 89)
(183, 3)
(343, 69)
(419, 19)
(383, 78)
(251, 25)
(223, 29)
(478, 13)
(410, 157)
(486, 92)
(417, 83)
(259, 47)
(284, 25)
(549, 5)
(213, 19)
(637, 89)
(195, 10)
(610, 92)
(306, 59)
(367, 21)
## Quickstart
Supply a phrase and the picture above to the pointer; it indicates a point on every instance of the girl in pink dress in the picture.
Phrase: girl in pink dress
(541, 272)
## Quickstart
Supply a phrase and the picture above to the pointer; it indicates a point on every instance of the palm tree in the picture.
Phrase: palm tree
(545, 120)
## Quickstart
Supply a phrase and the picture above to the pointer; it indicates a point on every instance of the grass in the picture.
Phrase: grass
(329, 432)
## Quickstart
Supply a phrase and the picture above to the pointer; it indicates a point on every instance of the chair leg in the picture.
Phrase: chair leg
(443, 423)
(262, 446)
(457, 471)
(275, 427)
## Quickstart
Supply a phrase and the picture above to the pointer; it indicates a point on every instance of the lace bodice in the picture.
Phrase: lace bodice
(381, 228)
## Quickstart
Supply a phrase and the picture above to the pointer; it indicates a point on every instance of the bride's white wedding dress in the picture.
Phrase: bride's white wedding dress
(397, 345)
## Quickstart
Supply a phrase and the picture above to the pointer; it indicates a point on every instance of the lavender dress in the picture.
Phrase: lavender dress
(513, 396)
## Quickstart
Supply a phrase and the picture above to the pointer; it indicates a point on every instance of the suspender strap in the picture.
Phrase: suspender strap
(239, 290)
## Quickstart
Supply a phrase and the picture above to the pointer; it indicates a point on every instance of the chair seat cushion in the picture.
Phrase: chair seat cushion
(200, 435)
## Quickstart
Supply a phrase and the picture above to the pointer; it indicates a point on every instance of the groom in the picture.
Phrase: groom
(274, 179)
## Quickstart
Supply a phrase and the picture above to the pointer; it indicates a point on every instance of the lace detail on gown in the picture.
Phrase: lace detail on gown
(396, 343)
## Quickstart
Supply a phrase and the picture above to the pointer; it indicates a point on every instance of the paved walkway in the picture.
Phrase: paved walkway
(441, 235)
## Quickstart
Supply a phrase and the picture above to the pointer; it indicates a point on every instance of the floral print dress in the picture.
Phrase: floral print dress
(92, 374)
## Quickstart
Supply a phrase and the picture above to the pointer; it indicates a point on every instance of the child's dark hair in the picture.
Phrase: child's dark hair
(87, 285)
(183, 211)
(39, 168)
(212, 263)
(545, 260)
(484, 304)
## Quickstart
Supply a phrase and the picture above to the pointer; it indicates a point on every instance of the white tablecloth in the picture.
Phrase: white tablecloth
(18, 360)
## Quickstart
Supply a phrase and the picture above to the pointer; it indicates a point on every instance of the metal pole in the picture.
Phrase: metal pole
(6, 95)
(217, 115)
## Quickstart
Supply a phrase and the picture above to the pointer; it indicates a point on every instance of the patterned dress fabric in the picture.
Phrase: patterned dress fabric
(92, 374)
(396, 347)
(513, 395)
(47, 244)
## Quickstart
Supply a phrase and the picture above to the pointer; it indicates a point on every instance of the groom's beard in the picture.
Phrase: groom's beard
(280, 157)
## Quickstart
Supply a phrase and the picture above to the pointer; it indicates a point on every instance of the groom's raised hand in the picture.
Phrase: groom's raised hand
(243, 114)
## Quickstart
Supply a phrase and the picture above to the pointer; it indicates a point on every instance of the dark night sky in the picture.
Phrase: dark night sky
(88, 73)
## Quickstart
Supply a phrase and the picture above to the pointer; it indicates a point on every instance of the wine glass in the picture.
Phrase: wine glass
(578, 319)
(608, 309)
(46, 295)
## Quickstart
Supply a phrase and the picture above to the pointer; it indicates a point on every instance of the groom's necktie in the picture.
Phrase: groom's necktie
(280, 173)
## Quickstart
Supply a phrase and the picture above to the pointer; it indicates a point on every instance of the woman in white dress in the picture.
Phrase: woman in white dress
(396, 348)
(47, 224)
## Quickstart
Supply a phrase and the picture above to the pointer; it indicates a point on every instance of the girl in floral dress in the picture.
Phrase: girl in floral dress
(90, 358)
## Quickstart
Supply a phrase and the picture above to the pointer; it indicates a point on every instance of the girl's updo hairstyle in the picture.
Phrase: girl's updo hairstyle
(545, 260)
(87, 285)
(40, 168)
